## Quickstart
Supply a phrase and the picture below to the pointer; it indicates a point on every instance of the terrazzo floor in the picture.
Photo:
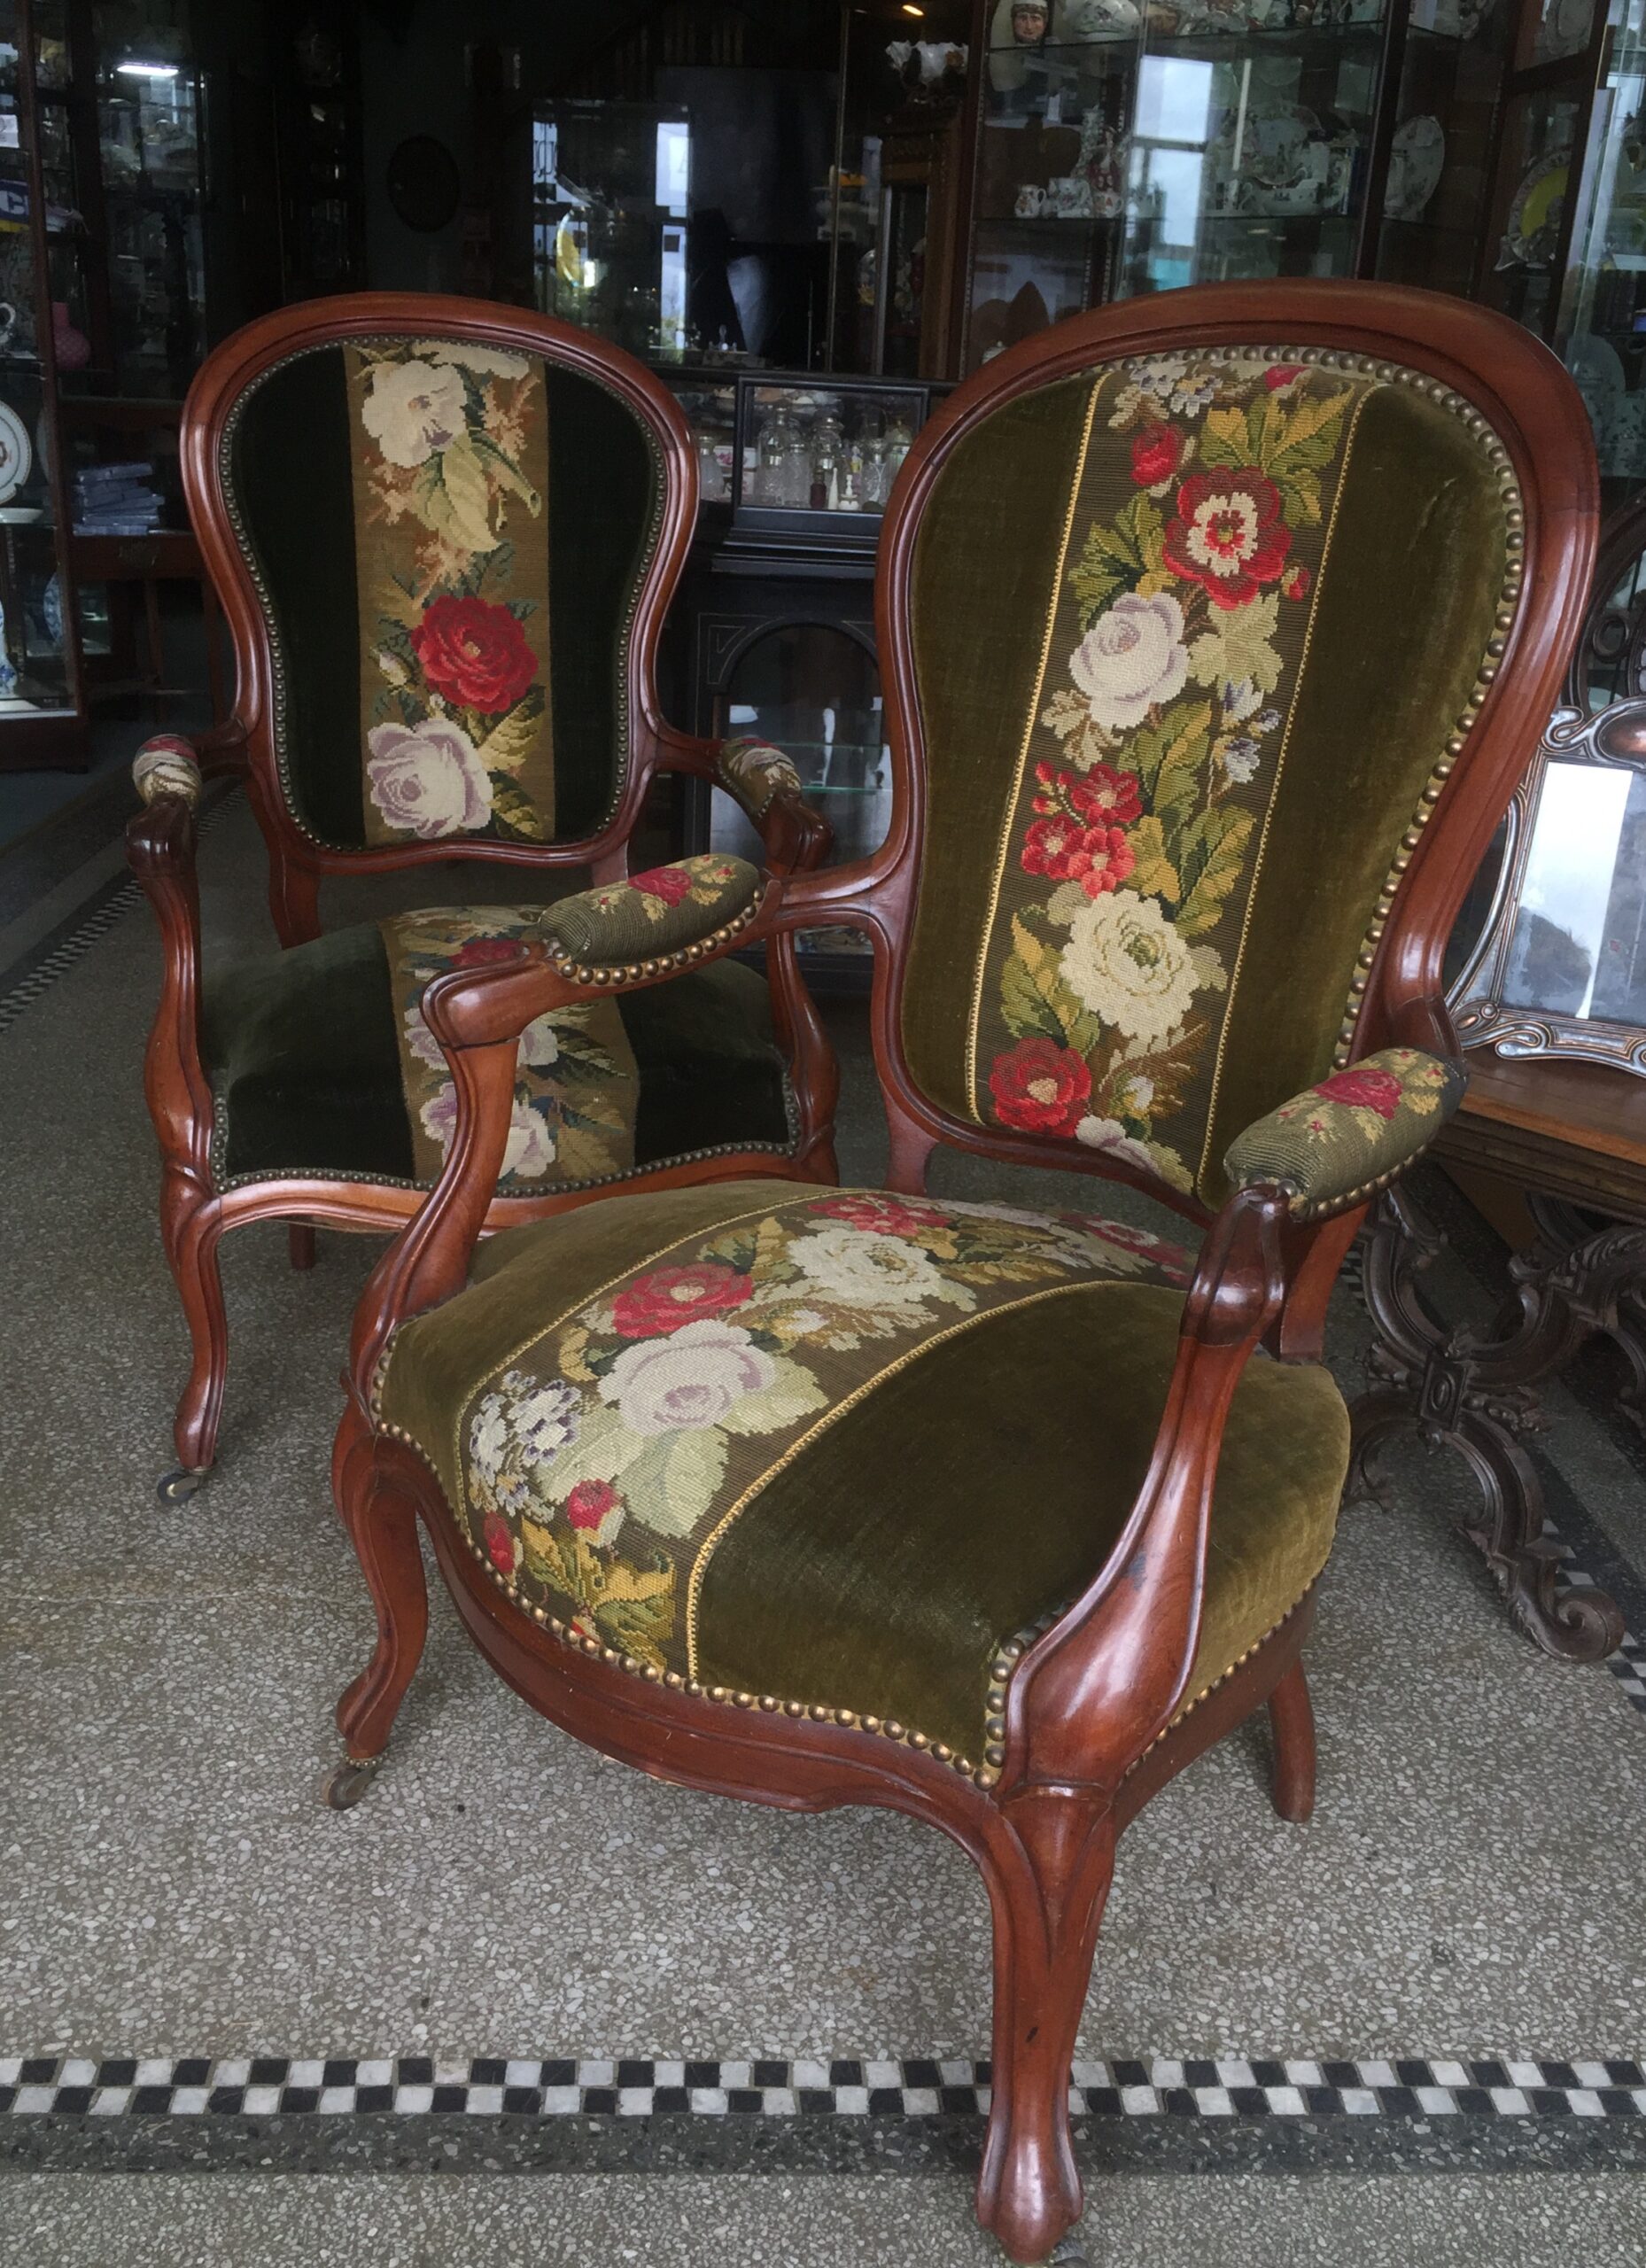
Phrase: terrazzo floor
(1471, 1886)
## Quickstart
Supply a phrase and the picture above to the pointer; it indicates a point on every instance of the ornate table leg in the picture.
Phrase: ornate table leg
(1476, 1395)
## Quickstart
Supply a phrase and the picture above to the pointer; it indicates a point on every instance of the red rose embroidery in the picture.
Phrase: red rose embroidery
(668, 1297)
(1107, 797)
(1363, 1090)
(1282, 373)
(666, 882)
(475, 653)
(1098, 857)
(1041, 1087)
(591, 1502)
(481, 952)
(1172, 1260)
(1156, 454)
(1229, 534)
(884, 1216)
(500, 1544)
(1295, 582)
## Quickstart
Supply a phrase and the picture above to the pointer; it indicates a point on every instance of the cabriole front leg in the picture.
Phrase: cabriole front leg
(191, 1241)
(1048, 1874)
(380, 1513)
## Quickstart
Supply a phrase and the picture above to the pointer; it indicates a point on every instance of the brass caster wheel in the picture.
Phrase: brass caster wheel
(177, 1487)
(346, 1782)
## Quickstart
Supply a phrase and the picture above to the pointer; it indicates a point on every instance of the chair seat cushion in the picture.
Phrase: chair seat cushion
(305, 1052)
(834, 1448)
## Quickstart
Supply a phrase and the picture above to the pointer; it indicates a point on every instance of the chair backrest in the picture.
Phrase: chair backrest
(442, 520)
(1191, 607)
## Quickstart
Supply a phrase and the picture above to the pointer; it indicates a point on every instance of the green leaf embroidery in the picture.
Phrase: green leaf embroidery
(641, 1625)
(1177, 782)
(1154, 874)
(510, 741)
(516, 810)
(673, 1482)
(1212, 862)
(1035, 1001)
(454, 498)
(506, 472)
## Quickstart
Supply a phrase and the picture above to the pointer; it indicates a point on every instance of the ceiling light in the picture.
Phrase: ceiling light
(909, 9)
(148, 70)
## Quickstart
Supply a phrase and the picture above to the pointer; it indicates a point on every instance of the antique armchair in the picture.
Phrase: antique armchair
(1218, 626)
(445, 535)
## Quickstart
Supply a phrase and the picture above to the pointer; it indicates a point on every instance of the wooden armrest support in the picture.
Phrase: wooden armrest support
(1091, 1694)
(1334, 1147)
(477, 1015)
(161, 851)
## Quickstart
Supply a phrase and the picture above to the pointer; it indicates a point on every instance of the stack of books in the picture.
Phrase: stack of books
(116, 500)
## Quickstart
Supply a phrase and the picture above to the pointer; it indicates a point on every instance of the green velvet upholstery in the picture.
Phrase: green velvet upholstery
(303, 1052)
(652, 913)
(1190, 636)
(1352, 1131)
(288, 473)
(836, 1447)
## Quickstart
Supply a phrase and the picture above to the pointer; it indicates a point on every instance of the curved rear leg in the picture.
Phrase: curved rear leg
(381, 1516)
(1291, 1720)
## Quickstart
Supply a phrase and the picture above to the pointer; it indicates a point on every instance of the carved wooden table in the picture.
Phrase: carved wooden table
(1572, 1137)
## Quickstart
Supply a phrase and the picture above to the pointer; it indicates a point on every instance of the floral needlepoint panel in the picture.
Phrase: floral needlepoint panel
(1200, 531)
(449, 445)
(576, 1088)
(603, 1463)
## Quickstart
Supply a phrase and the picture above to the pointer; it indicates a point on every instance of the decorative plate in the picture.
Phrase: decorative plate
(1534, 216)
(1600, 380)
(17, 453)
(1417, 159)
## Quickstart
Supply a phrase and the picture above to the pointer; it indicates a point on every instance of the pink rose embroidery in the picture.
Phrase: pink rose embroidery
(428, 781)
(1365, 1088)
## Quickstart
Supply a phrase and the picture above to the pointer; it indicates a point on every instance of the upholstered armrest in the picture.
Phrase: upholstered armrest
(1351, 1135)
(764, 784)
(755, 774)
(167, 767)
(614, 932)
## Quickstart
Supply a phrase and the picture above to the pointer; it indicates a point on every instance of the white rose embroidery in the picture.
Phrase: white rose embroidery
(865, 1269)
(412, 409)
(1132, 656)
(1109, 1135)
(531, 1148)
(428, 781)
(1127, 964)
(689, 1380)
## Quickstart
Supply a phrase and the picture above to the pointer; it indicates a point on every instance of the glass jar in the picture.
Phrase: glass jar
(790, 486)
(899, 441)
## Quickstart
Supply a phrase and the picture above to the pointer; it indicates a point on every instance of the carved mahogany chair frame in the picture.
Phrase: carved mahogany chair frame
(161, 838)
(1079, 1717)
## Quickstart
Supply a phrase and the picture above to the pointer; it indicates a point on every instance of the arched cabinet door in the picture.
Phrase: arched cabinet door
(813, 688)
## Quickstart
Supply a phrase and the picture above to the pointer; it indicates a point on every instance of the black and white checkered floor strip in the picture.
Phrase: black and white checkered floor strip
(417, 2086)
(74, 938)
(44, 972)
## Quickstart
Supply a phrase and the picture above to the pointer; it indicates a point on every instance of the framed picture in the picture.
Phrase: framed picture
(1560, 967)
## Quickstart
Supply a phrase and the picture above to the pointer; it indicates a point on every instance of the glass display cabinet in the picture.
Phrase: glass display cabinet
(611, 184)
(772, 633)
(1603, 314)
(41, 706)
(798, 458)
(1124, 149)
